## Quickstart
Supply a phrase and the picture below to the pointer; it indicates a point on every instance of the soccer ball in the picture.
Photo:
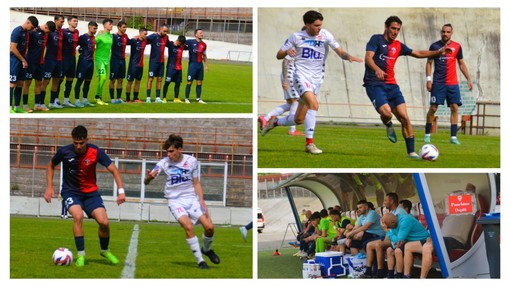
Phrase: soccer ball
(62, 257)
(429, 152)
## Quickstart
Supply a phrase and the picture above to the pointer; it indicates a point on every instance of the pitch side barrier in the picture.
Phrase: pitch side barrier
(449, 205)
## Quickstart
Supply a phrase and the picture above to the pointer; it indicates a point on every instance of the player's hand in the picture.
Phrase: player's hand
(25, 64)
(380, 74)
(470, 85)
(204, 208)
(48, 194)
(355, 59)
(446, 50)
(429, 86)
(292, 52)
(285, 85)
(121, 198)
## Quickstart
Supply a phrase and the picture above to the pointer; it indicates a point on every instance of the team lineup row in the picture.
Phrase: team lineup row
(304, 54)
(48, 52)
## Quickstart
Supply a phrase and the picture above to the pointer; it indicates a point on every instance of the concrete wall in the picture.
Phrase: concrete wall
(342, 97)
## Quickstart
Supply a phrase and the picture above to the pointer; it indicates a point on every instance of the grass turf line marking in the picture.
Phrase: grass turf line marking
(130, 263)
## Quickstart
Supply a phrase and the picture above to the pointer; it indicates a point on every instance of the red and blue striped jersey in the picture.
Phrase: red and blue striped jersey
(70, 42)
(80, 170)
(445, 66)
(158, 45)
(196, 50)
(54, 45)
(174, 56)
(36, 46)
(119, 46)
(137, 50)
(21, 38)
(87, 45)
(385, 57)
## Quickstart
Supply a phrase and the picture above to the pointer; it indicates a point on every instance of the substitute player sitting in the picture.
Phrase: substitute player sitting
(185, 197)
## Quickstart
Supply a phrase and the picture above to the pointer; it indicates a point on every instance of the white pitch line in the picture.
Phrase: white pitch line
(130, 263)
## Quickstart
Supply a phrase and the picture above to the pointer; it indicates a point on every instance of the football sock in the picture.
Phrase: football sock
(453, 130)
(11, 95)
(104, 242)
(43, 96)
(111, 91)
(207, 242)
(286, 121)
(86, 88)
(77, 87)
(188, 90)
(389, 123)
(149, 93)
(119, 93)
(428, 128)
(279, 110)
(177, 87)
(67, 88)
(128, 96)
(410, 144)
(310, 120)
(53, 96)
(199, 91)
(25, 99)
(17, 96)
(135, 95)
(158, 92)
(79, 241)
(38, 99)
(292, 111)
(194, 245)
(165, 88)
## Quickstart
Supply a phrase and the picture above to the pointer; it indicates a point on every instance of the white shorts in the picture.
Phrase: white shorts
(302, 85)
(290, 93)
(189, 207)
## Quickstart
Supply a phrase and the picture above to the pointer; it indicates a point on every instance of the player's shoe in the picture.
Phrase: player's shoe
(55, 105)
(311, 148)
(426, 139)
(176, 100)
(79, 104)
(201, 101)
(454, 141)
(12, 110)
(262, 122)
(88, 103)
(120, 101)
(100, 102)
(41, 107)
(212, 256)
(27, 109)
(270, 125)
(148, 100)
(186, 101)
(390, 132)
(110, 257)
(158, 100)
(296, 133)
(68, 104)
(80, 261)
(203, 265)
(137, 101)
(164, 100)
(19, 110)
(303, 254)
(244, 232)
(413, 155)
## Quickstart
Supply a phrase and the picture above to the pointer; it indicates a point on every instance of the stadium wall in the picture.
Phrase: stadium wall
(342, 97)
(216, 50)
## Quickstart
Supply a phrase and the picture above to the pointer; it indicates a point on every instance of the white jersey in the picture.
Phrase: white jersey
(179, 176)
(311, 53)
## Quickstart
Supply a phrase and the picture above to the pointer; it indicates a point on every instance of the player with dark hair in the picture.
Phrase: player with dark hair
(35, 60)
(53, 64)
(18, 63)
(158, 43)
(69, 44)
(406, 205)
(118, 62)
(104, 42)
(174, 67)
(135, 68)
(382, 52)
(309, 47)
(185, 197)
(79, 189)
(446, 84)
(197, 58)
(85, 68)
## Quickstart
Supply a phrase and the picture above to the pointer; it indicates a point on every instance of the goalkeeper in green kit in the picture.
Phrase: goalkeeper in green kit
(104, 41)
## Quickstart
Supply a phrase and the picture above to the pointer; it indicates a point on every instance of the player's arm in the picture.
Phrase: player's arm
(346, 57)
(151, 174)
(206, 62)
(429, 54)
(285, 70)
(369, 60)
(464, 70)
(49, 193)
(16, 53)
(281, 54)
(364, 227)
(121, 197)
(200, 193)
(428, 72)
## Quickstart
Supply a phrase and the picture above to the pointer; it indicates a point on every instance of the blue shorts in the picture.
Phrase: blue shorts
(440, 92)
(385, 94)
(85, 69)
(195, 71)
(69, 66)
(173, 75)
(134, 72)
(34, 71)
(16, 71)
(52, 68)
(156, 69)
(88, 201)
(367, 237)
(117, 69)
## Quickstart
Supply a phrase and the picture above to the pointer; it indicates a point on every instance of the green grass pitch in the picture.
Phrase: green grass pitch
(227, 88)
(162, 250)
(368, 147)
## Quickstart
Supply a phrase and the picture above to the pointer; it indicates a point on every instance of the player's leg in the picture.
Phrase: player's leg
(454, 101)
(25, 89)
(158, 90)
(208, 238)
(99, 214)
(400, 112)
(378, 97)
(191, 239)
(390, 255)
(427, 253)
(409, 249)
(149, 87)
(67, 92)
(293, 102)
(399, 262)
(430, 119)
(101, 71)
(371, 250)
